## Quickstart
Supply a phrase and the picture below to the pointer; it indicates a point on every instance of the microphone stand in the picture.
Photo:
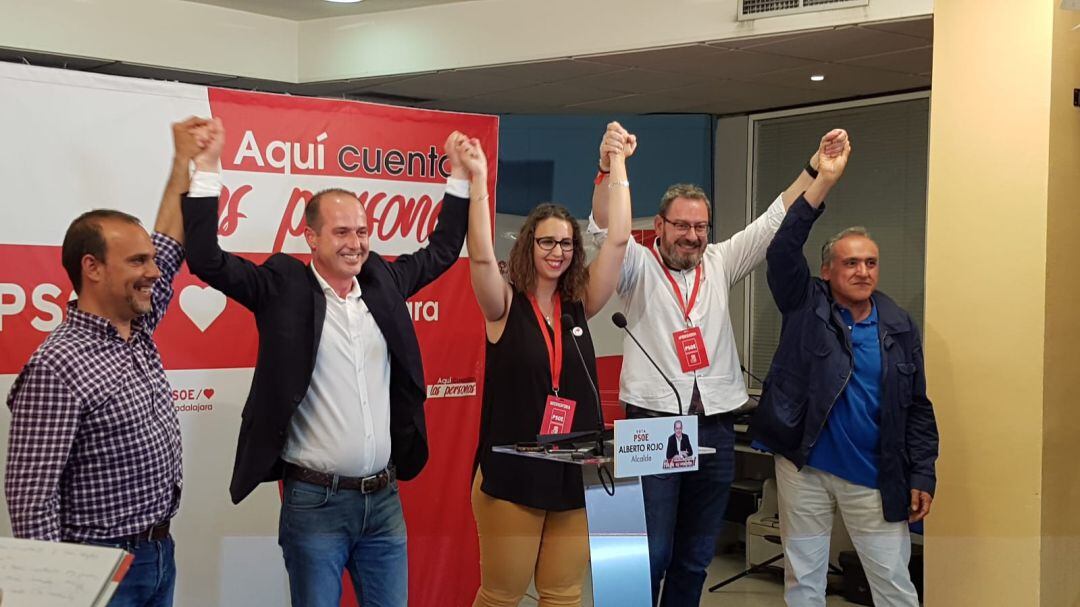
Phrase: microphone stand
(576, 332)
(620, 321)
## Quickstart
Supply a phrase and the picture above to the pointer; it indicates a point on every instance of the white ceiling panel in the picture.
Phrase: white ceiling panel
(662, 58)
(915, 61)
(555, 94)
(637, 81)
(737, 63)
(638, 104)
(448, 85)
(842, 80)
(919, 28)
(541, 72)
(838, 44)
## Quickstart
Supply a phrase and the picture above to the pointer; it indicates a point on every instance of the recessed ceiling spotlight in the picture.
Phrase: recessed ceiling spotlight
(817, 77)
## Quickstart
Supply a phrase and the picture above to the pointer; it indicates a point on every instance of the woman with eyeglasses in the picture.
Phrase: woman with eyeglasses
(530, 513)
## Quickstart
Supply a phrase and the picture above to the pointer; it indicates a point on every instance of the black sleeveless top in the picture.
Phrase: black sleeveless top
(517, 382)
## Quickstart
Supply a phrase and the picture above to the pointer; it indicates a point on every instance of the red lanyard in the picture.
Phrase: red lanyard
(554, 351)
(684, 306)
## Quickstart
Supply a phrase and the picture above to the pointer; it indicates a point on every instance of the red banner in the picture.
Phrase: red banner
(382, 153)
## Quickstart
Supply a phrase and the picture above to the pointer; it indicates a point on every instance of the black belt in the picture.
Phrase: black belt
(366, 484)
(153, 533)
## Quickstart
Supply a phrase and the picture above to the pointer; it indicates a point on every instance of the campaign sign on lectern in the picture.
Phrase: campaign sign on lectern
(656, 445)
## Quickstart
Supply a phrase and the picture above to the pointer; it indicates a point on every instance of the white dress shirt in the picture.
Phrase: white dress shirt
(653, 315)
(343, 424)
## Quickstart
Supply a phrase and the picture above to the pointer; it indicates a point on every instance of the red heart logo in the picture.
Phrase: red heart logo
(208, 392)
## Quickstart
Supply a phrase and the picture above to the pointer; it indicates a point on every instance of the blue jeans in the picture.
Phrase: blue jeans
(323, 532)
(684, 513)
(152, 576)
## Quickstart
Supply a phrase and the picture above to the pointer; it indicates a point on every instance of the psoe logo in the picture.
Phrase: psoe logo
(193, 400)
(450, 387)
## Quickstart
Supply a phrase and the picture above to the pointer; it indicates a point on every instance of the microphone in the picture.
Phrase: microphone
(620, 321)
(576, 332)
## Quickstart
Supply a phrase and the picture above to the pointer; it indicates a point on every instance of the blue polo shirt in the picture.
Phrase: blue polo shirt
(850, 442)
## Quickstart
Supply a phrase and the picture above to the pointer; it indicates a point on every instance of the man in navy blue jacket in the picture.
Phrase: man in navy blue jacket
(844, 409)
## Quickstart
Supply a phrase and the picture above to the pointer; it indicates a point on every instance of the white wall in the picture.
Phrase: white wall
(164, 33)
(191, 36)
(488, 32)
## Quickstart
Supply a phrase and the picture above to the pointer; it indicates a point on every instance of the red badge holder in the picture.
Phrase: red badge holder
(558, 415)
(690, 348)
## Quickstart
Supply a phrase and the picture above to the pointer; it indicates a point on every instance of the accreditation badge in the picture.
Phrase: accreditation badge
(690, 348)
(558, 415)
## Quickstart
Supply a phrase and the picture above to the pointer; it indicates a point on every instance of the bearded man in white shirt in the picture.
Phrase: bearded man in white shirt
(674, 293)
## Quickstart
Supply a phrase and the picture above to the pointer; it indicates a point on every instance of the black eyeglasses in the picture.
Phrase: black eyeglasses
(548, 243)
(682, 227)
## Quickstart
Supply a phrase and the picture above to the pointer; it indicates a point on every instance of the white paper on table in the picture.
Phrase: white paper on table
(54, 574)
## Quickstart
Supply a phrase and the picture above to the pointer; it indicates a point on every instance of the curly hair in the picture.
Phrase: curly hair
(522, 269)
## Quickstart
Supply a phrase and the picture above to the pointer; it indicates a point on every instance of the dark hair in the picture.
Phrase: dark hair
(84, 237)
(311, 209)
(522, 269)
(683, 190)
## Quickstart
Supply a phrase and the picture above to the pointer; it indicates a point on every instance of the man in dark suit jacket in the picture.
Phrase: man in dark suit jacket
(336, 401)
(678, 443)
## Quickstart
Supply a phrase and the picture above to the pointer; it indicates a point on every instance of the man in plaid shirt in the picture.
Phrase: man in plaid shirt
(94, 448)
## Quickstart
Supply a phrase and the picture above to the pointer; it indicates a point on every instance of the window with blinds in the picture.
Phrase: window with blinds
(883, 189)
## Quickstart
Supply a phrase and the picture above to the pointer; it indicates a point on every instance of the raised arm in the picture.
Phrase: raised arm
(788, 272)
(236, 277)
(492, 292)
(189, 137)
(831, 164)
(414, 271)
(831, 145)
(744, 251)
(616, 139)
(604, 271)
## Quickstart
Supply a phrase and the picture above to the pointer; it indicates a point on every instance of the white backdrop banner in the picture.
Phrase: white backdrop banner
(74, 141)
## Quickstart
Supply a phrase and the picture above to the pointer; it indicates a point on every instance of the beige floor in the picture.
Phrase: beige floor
(751, 591)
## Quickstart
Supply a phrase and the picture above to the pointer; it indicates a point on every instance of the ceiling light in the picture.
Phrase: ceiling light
(817, 77)
(344, 1)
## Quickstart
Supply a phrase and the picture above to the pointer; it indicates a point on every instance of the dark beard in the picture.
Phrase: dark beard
(680, 262)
